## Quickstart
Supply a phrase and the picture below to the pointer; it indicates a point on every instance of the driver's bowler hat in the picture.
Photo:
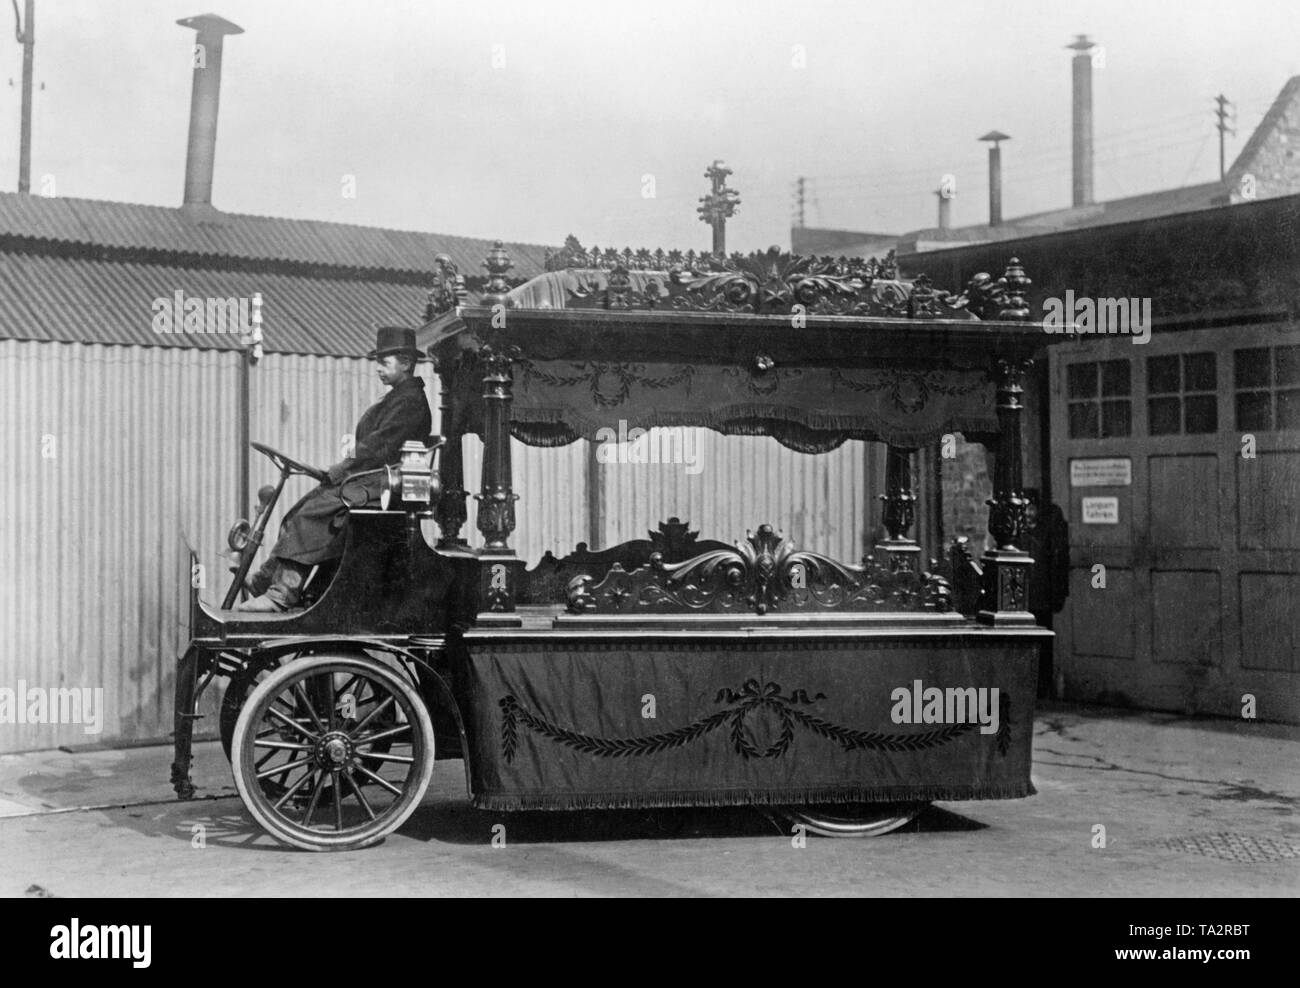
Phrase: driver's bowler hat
(394, 339)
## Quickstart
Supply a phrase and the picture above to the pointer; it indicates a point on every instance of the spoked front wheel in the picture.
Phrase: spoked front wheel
(855, 819)
(332, 752)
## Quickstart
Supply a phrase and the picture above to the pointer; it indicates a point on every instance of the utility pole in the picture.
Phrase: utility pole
(718, 205)
(1223, 128)
(25, 32)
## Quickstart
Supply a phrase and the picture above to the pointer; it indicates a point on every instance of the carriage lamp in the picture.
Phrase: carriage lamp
(413, 480)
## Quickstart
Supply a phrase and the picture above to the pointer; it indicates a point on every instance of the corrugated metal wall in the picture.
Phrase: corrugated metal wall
(825, 503)
(118, 458)
(121, 457)
(820, 502)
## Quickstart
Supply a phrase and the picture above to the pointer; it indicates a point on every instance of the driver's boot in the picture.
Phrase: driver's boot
(260, 582)
(284, 593)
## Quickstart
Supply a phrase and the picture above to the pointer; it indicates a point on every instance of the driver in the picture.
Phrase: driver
(313, 530)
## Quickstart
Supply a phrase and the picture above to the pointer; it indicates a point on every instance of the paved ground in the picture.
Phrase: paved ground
(103, 823)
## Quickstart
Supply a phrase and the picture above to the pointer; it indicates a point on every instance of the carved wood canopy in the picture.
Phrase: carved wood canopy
(811, 351)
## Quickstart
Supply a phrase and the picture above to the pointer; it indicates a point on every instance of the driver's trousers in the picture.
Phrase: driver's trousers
(315, 529)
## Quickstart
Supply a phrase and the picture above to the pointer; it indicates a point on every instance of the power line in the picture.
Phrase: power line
(1040, 175)
(1175, 123)
(1192, 167)
(1106, 151)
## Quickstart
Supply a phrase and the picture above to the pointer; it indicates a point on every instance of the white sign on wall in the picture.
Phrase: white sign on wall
(1115, 472)
(1101, 511)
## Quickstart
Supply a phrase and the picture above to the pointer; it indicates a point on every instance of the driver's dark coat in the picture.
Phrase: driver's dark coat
(313, 530)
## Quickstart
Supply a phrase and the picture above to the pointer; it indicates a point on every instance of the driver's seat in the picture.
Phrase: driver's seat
(393, 476)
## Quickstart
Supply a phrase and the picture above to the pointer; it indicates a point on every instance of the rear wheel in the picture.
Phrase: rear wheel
(333, 752)
(855, 819)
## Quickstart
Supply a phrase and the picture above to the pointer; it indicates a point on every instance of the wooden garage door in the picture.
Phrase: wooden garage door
(1200, 544)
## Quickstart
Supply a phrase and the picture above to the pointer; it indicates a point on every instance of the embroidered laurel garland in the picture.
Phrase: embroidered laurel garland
(750, 698)
(607, 747)
(849, 739)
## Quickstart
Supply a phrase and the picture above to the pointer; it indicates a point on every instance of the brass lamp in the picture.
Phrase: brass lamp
(415, 478)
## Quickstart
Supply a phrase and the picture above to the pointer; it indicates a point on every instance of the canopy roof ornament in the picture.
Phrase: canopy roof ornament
(775, 282)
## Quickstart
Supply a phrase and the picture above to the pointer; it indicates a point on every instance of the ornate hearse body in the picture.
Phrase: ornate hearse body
(844, 694)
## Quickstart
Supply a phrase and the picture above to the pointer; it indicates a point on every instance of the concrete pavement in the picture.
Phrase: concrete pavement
(1189, 807)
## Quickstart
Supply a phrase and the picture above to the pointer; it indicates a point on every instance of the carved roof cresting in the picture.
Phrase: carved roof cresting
(775, 282)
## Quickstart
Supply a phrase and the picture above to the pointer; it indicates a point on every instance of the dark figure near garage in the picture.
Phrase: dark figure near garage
(1049, 584)
(313, 530)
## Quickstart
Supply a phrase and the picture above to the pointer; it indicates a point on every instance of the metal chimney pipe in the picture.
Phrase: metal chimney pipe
(1082, 115)
(995, 175)
(27, 37)
(201, 151)
(945, 207)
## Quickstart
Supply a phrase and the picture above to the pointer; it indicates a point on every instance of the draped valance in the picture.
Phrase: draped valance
(810, 409)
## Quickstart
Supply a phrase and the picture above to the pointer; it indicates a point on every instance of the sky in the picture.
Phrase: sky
(532, 120)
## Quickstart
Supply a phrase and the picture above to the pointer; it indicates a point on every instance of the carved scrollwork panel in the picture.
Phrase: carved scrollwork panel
(762, 574)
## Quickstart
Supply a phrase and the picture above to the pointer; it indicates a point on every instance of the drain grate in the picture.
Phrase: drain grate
(1232, 847)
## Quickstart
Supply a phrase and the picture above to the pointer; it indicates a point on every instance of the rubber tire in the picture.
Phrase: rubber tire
(869, 820)
(243, 755)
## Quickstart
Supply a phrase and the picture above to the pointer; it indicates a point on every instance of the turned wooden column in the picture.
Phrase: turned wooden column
(451, 512)
(898, 550)
(499, 569)
(1006, 566)
(496, 497)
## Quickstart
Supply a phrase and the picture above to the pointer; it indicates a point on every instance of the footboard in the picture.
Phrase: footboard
(569, 719)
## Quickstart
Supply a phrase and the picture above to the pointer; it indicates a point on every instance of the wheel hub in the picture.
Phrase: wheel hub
(334, 750)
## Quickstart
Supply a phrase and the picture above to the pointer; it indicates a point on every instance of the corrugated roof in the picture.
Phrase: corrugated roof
(78, 299)
(209, 233)
(1150, 205)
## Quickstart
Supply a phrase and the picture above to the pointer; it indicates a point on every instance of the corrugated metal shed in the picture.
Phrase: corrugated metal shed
(119, 458)
(210, 233)
(44, 297)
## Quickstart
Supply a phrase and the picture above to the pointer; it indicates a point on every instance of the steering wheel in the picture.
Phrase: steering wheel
(289, 465)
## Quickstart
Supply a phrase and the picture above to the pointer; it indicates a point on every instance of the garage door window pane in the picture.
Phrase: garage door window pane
(1201, 413)
(1286, 364)
(1081, 380)
(1162, 375)
(1288, 409)
(1253, 411)
(1083, 420)
(1115, 377)
(1251, 368)
(1199, 372)
(1114, 419)
(1163, 416)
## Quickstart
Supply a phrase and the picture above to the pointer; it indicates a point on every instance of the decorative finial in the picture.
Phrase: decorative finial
(1017, 283)
(448, 289)
(497, 263)
(719, 205)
